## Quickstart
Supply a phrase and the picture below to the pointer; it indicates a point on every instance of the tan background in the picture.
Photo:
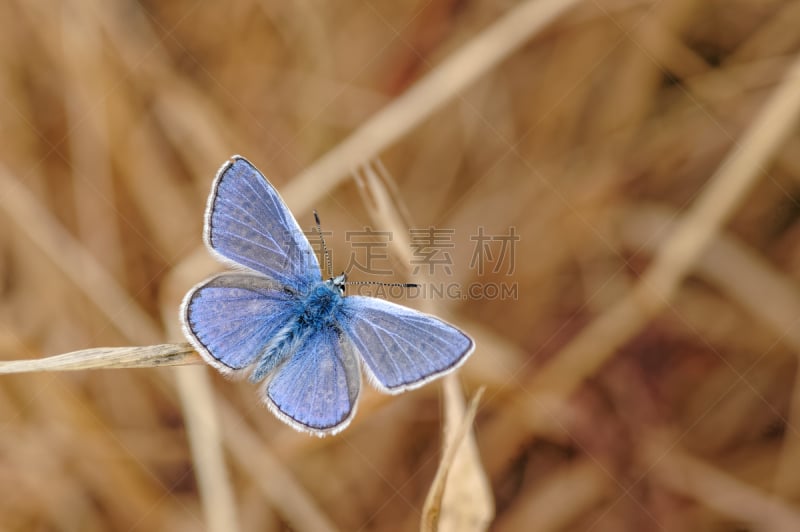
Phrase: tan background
(646, 153)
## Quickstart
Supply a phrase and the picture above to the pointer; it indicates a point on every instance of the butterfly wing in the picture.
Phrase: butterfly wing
(317, 388)
(402, 348)
(231, 318)
(248, 224)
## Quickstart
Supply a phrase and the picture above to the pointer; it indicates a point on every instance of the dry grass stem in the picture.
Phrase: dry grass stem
(454, 501)
(151, 356)
(736, 175)
(272, 478)
(587, 485)
(472, 60)
(724, 493)
(725, 263)
(205, 438)
(460, 497)
(75, 261)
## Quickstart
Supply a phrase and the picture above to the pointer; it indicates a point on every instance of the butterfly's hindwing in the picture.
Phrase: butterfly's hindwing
(231, 317)
(317, 387)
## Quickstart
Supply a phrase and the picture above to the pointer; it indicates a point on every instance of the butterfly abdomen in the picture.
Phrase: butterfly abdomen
(284, 344)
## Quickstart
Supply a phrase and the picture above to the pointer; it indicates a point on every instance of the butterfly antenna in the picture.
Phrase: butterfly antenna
(404, 285)
(324, 247)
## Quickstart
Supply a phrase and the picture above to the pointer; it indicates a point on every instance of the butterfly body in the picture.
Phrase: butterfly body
(321, 306)
(313, 311)
(278, 320)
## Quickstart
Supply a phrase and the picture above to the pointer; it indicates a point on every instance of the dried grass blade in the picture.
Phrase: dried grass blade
(460, 497)
(149, 356)
(718, 200)
(472, 61)
(694, 478)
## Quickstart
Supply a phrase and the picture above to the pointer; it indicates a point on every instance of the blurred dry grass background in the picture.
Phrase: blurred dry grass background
(644, 150)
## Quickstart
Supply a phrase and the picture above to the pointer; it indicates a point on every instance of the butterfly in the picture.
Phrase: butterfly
(277, 320)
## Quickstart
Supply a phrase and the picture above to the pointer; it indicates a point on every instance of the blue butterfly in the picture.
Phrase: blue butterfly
(276, 318)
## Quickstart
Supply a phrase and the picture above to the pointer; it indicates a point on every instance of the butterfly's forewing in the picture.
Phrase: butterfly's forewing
(248, 224)
(317, 388)
(231, 318)
(402, 348)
